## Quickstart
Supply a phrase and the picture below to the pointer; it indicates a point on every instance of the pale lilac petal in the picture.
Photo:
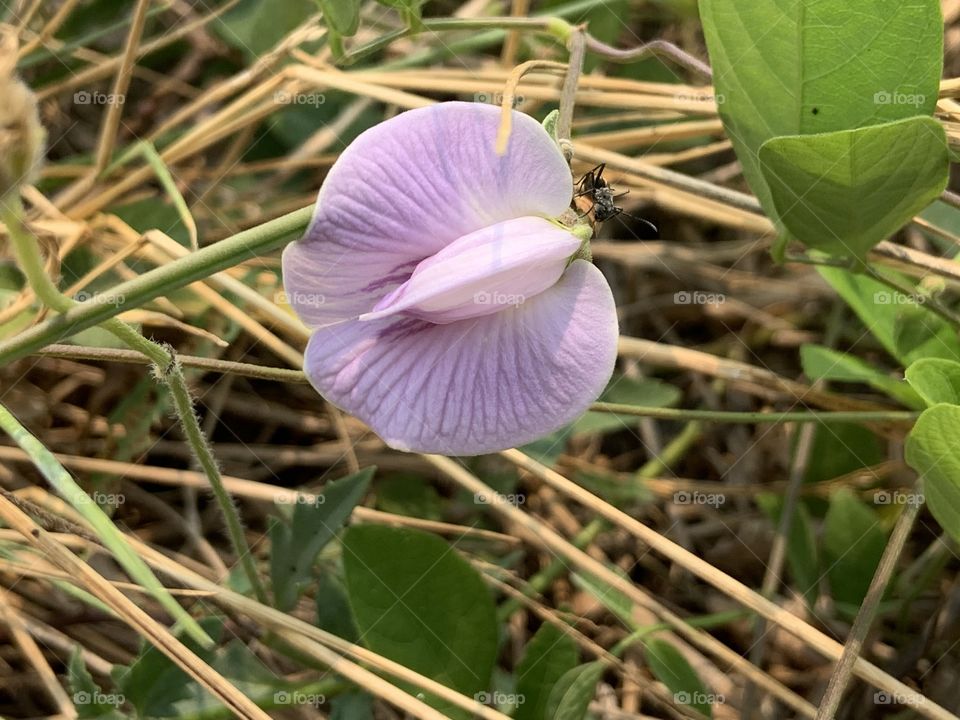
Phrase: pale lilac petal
(483, 272)
(323, 285)
(405, 189)
(477, 385)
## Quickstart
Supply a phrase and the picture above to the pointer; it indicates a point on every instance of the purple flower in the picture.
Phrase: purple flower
(446, 305)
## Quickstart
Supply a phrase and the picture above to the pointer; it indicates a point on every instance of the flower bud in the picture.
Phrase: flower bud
(22, 137)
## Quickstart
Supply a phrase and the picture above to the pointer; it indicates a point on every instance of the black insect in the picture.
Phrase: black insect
(602, 198)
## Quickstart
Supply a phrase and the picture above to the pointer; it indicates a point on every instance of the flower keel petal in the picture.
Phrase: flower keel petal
(483, 272)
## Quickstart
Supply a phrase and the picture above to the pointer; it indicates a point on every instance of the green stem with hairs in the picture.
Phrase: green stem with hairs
(723, 416)
(168, 370)
(878, 274)
(162, 280)
(553, 26)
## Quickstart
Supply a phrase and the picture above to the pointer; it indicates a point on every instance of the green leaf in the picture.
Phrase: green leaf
(333, 608)
(935, 380)
(933, 450)
(672, 669)
(918, 333)
(78, 677)
(905, 328)
(605, 21)
(352, 706)
(628, 391)
(613, 599)
(843, 192)
(87, 696)
(153, 683)
(549, 654)
(410, 10)
(616, 490)
(416, 601)
(841, 448)
(245, 670)
(550, 125)
(256, 26)
(946, 217)
(341, 16)
(403, 4)
(154, 213)
(409, 494)
(157, 687)
(294, 547)
(573, 692)
(783, 67)
(801, 545)
(853, 542)
(547, 450)
(822, 363)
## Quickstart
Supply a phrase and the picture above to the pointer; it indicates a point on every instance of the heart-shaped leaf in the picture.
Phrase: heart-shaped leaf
(416, 601)
(933, 450)
(936, 380)
(843, 192)
(783, 67)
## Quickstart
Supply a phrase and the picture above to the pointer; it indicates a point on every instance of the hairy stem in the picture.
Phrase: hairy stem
(811, 416)
(568, 93)
(28, 256)
(159, 281)
(656, 48)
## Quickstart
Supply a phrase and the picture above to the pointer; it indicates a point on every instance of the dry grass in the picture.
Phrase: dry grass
(276, 440)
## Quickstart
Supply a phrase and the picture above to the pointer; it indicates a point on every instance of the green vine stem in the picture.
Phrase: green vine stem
(164, 279)
(931, 303)
(553, 25)
(724, 416)
(172, 374)
(568, 93)
(167, 367)
(550, 25)
(654, 48)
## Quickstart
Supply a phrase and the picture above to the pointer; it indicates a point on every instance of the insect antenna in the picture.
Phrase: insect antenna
(654, 231)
